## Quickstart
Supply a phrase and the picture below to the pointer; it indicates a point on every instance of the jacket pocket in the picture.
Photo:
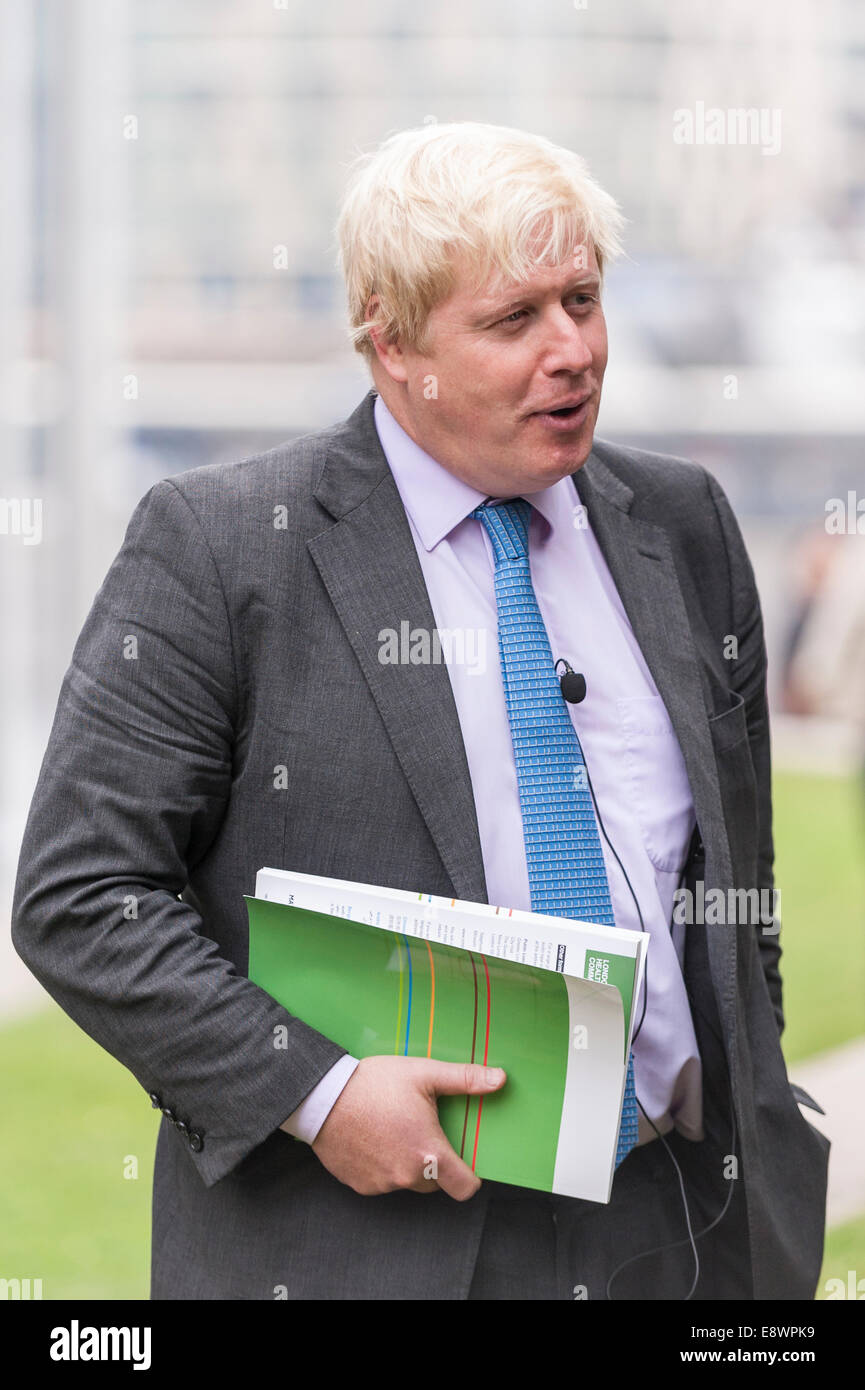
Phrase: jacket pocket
(803, 1098)
(730, 727)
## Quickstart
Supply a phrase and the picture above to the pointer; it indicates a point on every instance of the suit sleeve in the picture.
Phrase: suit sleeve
(131, 793)
(749, 672)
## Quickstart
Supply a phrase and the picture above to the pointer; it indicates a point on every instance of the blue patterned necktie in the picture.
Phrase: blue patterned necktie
(567, 875)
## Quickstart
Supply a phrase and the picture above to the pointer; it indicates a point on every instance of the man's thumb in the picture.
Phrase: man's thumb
(466, 1079)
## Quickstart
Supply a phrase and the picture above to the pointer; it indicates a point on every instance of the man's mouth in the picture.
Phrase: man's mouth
(564, 415)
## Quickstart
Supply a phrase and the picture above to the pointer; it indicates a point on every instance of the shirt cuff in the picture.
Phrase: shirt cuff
(305, 1122)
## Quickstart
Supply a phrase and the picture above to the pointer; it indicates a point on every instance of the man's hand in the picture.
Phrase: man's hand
(383, 1133)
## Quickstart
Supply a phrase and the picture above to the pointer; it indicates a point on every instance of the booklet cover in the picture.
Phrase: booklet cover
(549, 999)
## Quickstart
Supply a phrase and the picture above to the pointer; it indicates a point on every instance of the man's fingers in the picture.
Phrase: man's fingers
(464, 1078)
(371, 1139)
(424, 1185)
(427, 1179)
(454, 1176)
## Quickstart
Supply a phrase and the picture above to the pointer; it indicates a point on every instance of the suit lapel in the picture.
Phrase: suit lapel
(370, 568)
(640, 560)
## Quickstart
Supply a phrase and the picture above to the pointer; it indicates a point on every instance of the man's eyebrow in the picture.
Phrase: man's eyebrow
(495, 306)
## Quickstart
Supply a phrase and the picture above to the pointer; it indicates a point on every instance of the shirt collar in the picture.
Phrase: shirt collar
(435, 499)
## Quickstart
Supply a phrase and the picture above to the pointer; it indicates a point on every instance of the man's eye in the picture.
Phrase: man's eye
(583, 301)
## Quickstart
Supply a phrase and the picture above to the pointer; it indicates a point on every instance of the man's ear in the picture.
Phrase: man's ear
(388, 350)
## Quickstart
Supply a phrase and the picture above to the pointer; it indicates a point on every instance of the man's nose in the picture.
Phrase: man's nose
(566, 345)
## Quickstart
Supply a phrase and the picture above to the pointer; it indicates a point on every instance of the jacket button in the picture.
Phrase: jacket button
(155, 1100)
(196, 1143)
(181, 1127)
(169, 1115)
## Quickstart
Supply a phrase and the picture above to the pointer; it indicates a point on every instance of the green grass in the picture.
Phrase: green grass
(820, 871)
(72, 1115)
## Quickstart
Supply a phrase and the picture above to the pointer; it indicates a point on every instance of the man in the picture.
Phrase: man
(229, 706)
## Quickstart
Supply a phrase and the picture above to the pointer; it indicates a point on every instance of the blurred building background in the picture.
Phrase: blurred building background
(169, 296)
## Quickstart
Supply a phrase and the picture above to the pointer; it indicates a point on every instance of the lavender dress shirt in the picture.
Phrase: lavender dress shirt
(628, 742)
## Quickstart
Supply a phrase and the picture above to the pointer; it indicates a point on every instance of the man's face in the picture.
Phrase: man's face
(499, 362)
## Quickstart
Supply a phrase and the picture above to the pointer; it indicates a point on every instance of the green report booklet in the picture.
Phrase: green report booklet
(549, 999)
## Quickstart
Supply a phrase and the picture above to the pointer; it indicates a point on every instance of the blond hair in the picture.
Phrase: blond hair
(503, 199)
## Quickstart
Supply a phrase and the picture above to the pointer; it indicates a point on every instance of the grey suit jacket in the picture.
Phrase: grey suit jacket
(235, 635)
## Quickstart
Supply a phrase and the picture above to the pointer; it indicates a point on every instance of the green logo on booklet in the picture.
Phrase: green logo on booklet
(598, 968)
